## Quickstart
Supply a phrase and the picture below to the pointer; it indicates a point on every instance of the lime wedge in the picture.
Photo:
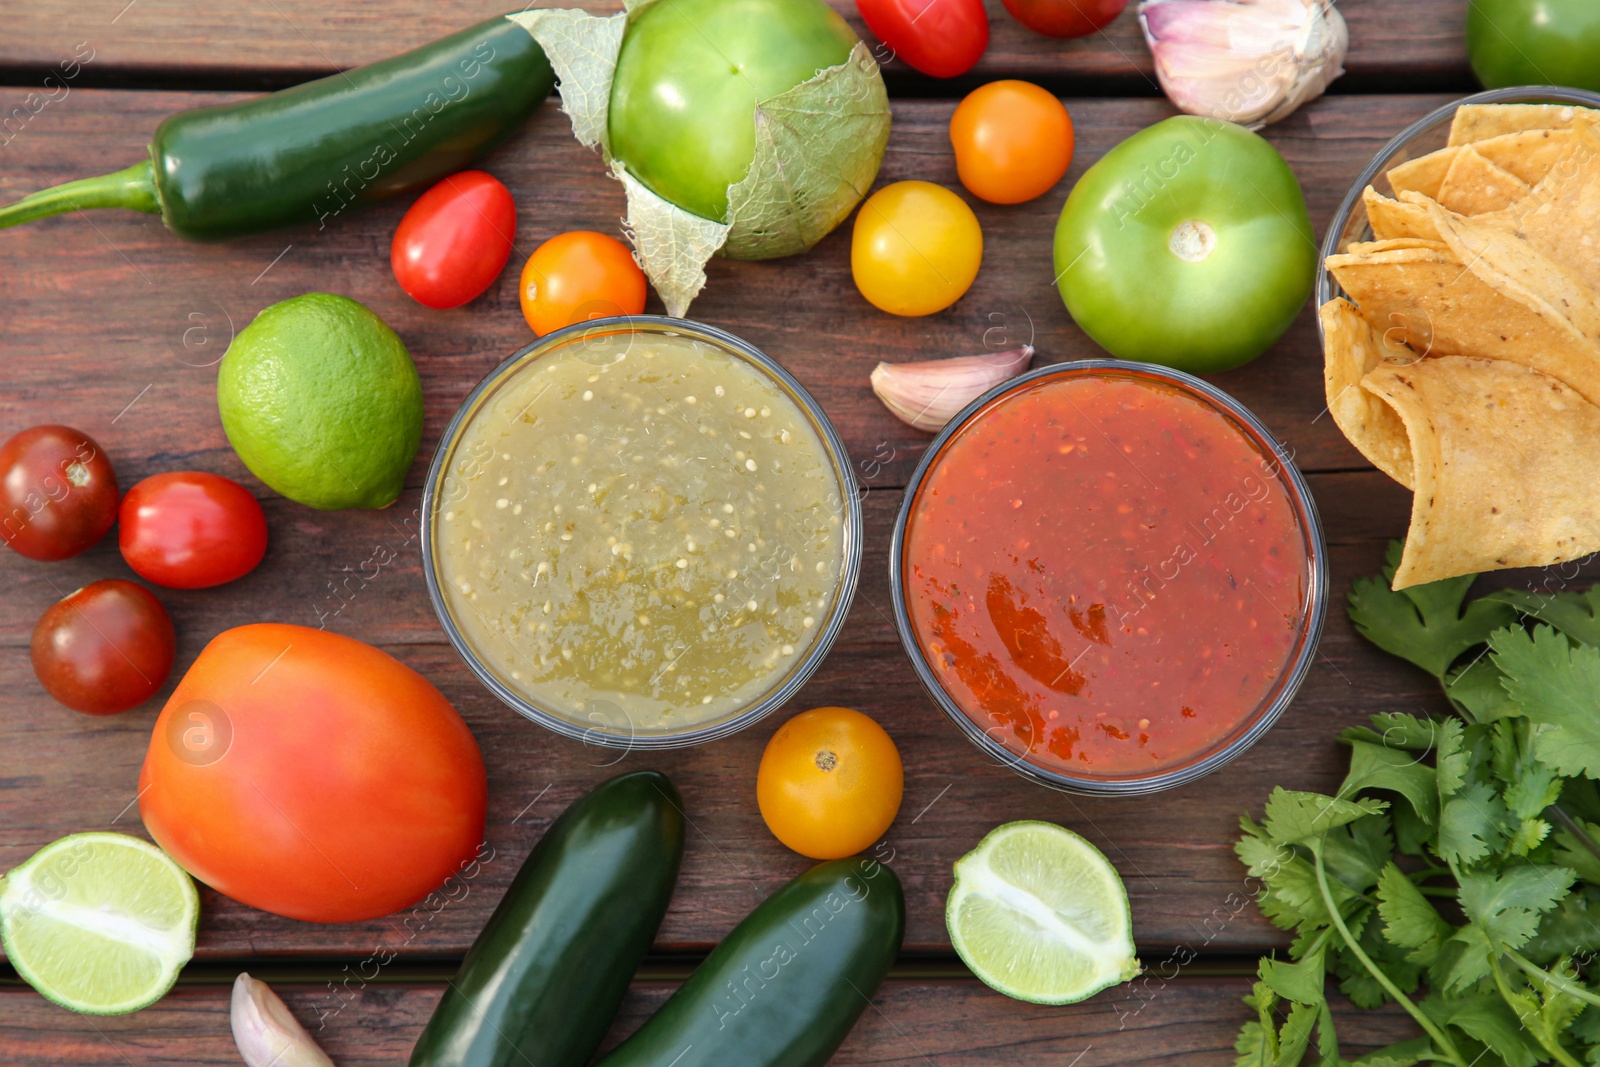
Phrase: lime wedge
(100, 923)
(1040, 914)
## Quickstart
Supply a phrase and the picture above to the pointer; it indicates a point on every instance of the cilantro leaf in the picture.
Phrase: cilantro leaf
(1559, 1010)
(1575, 614)
(1424, 624)
(1395, 729)
(1571, 852)
(1257, 1043)
(1295, 818)
(1295, 1036)
(1477, 688)
(1409, 921)
(1463, 961)
(1402, 1054)
(1470, 824)
(1508, 904)
(1355, 853)
(1300, 982)
(1490, 1020)
(1529, 835)
(1377, 767)
(1557, 686)
(1452, 759)
(1411, 835)
(1534, 788)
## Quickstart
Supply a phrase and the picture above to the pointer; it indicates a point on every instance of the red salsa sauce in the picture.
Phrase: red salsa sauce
(1106, 574)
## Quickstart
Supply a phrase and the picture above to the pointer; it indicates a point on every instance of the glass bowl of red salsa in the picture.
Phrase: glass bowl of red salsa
(1109, 575)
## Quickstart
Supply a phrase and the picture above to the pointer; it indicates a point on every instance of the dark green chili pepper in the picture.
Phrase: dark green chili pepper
(309, 153)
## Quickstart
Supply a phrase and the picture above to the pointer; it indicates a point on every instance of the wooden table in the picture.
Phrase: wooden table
(98, 327)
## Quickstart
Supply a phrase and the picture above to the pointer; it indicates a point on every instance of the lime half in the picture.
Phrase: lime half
(1040, 914)
(100, 923)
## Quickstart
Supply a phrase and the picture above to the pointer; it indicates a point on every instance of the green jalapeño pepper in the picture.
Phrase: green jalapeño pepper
(311, 152)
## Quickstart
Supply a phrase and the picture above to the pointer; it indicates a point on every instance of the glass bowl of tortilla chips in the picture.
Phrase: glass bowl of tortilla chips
(1459, 306)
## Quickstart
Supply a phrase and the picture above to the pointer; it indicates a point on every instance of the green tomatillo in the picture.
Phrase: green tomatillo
(689, 77)
(1188, 245)
(1535, 42)
(741, 128)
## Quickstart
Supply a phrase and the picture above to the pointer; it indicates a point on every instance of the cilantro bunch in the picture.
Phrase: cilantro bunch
(1456, 871)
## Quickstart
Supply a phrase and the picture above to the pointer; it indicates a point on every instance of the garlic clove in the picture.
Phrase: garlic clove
(267, 1035)
(1247, 61)
(928, 393)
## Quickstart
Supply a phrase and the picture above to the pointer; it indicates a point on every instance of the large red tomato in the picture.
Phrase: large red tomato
(311, 775)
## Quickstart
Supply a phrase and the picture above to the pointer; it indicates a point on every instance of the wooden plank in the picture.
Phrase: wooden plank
(163, 309)
(97, 312)
(1186, 1020)
(291, 40)
(61, 772)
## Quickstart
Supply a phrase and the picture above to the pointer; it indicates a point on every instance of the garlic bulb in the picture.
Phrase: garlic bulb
(1245, 61)
(928, 393)
(267, 1035)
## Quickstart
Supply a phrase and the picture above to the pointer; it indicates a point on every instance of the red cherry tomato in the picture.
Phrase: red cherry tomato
(1065, 18)
(191, 530)
(455, 240)
(58, 494)
(943, 38)
(106, 648)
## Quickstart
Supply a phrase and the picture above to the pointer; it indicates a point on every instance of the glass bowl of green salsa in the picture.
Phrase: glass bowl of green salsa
(1109, 575)
(641, 532)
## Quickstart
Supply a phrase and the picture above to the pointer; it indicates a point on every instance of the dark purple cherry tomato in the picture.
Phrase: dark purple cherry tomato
(191, 530)
(58, 494)
(106, 648)
(943, 38)
(1065, 18)
(455, 240)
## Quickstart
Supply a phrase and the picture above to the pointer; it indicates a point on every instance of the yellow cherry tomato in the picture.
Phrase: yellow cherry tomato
(915, 249)
(830, 783)
(578, 276)
(1013, 141)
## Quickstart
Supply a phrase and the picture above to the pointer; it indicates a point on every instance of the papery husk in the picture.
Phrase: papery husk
(818, 147)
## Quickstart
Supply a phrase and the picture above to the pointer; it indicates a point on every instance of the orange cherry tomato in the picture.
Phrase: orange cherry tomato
(1013, 141)
(830, 783)
(578, 276)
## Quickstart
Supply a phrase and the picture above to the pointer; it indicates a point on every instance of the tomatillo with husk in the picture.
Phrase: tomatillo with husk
(1187, 245)
(743, 128)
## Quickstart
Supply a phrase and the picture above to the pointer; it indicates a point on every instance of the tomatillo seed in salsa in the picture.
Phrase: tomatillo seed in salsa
(1105, 573)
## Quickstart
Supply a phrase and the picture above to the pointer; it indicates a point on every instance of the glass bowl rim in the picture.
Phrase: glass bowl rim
(853, 534)
(1300, 500)
(1327, 289)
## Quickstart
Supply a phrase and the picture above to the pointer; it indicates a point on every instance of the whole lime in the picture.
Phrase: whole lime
(322, 402)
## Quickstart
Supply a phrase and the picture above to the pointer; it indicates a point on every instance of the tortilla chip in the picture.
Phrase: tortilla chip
(1479, 122)
(1390, 244)
(1393, 219)
(1424, 175)
(1475, 186)
(1513, 266)
(1351, 350)
(1561, 216)
(1504, 467)
(1428, 300)
(1529, 155)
